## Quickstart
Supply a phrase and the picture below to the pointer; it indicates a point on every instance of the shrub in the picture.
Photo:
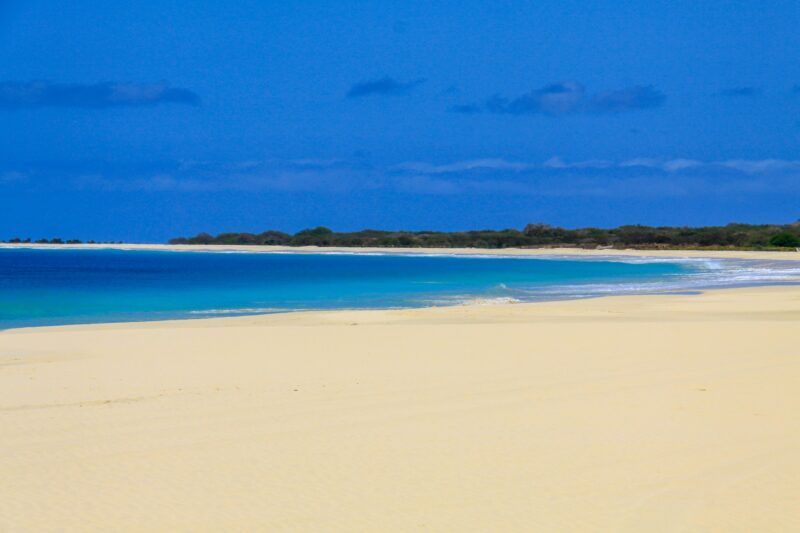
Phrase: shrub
(785, 239)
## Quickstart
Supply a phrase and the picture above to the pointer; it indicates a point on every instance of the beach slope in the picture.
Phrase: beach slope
(636, 413)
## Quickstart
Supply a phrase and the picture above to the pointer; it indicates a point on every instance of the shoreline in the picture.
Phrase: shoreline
(549, 253)
(604, 414)
(478, 303)
(510, 252)
(318, 316)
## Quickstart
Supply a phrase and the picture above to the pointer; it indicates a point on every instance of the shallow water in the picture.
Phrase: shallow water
(48, 287)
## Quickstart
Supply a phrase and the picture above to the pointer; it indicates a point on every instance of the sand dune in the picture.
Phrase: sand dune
(646, 413)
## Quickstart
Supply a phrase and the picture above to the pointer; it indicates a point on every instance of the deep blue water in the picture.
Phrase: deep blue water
(47, 287)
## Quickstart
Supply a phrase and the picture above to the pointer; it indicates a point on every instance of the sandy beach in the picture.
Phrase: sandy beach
(635, 413)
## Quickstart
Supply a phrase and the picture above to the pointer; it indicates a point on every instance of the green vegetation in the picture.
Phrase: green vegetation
(732, 236)
(785, 239)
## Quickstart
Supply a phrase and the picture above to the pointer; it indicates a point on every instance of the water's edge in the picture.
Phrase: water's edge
(387, 281)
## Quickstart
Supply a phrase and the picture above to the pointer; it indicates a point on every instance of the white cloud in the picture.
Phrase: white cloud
(762, 165)
(554, 177)
(461, 166)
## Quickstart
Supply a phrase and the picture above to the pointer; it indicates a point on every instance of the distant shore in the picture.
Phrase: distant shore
(576, 252)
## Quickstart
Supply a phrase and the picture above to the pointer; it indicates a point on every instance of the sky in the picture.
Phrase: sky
(141, 121)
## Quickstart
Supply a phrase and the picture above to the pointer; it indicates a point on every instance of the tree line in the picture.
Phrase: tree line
(741, 236)
(731, 236)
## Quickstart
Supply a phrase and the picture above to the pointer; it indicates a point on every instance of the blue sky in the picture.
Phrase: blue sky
(139, 121)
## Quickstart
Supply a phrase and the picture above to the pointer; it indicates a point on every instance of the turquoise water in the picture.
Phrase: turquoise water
(49, 287)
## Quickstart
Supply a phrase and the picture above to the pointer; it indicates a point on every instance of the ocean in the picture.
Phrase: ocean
(53, 287)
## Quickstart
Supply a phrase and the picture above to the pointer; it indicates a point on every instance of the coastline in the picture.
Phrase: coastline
(609, 413)
(567, 252)
(723, 270)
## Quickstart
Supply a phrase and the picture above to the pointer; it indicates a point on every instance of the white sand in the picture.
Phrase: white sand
(640, 413)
